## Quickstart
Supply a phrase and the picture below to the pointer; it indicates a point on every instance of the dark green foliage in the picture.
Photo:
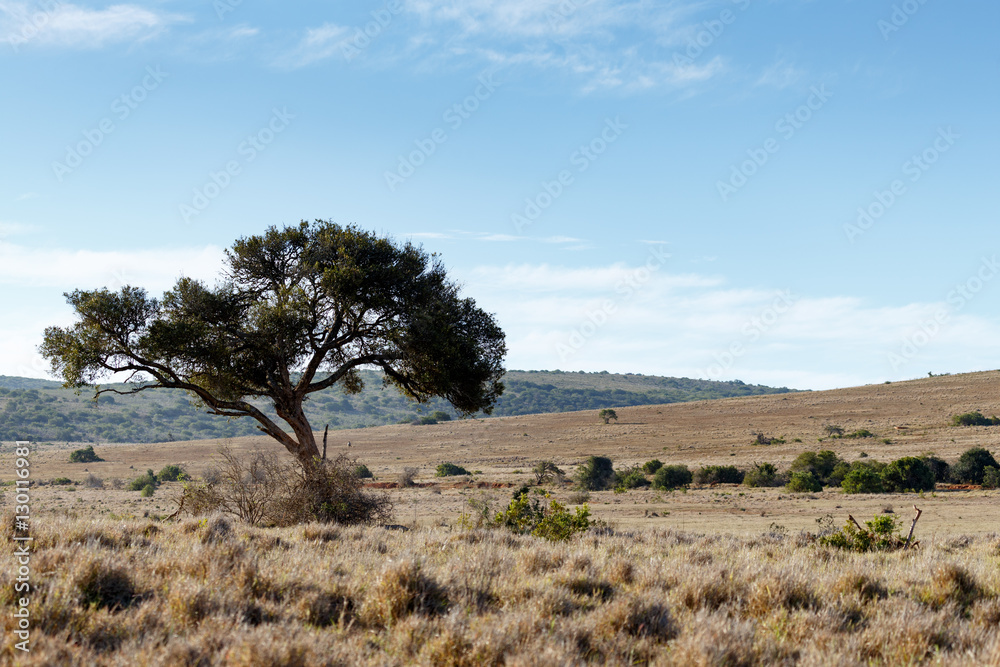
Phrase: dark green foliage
(62, 481)
(650, 467)
(633, 478)
(907, 474)
(803, 482)
(821, 464)
(147, 491)
(975, 418)
(719, 475)
(172, 473)
(839, 473)
(546, 471)
(85, 455)
(596, 474)
(991, 477)
(761, 475)
(140, 483)
(607, 414)
(299, 298)
(938, 466)
(862, 479)
(880, 536)
(441, 416)
(362, 472)
(860, 433)
(450, 470)
(672, 477)
(106, 587)
(971, 464)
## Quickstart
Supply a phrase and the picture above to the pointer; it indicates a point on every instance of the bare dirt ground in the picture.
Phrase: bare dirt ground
(914, 416)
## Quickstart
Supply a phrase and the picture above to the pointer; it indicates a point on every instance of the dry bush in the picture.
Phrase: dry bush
(407, 475)
(261, 489)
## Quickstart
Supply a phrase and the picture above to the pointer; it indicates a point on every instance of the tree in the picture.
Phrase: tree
(607, 414)
(971, 464)
(298, 310)
(908, 474)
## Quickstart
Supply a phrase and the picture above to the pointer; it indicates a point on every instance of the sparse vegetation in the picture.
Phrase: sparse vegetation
(880, 535)
(546, 471)
(361, 471)
(974, 418)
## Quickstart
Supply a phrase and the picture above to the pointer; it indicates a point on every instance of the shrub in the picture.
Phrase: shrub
(971, 464)
(93, 482)
(821, 464)
(833, 430)
(440, 416)
(62, 481)
(880, 536)
(596, 474)
(362, 472)
(607, 414)
(262, 490)
(546, 471)
(450, 470)
(862, 479)
(938, 466)
(172, 473)
(631, 479)
(650, 467)
(908, 474)
(860, 433)
(672, 477)
(762, 474)
(991, 477)
(85, 455)
(836, 477)
(974, 418)
(527, 516)
(407, 475)
(761, 439)
(719, 475)
(803, 482)
(140, 483)
(147, 491)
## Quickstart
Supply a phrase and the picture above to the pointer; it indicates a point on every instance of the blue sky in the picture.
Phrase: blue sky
(786, 192)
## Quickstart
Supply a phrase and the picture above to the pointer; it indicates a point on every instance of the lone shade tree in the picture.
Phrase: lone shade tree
(298, 310)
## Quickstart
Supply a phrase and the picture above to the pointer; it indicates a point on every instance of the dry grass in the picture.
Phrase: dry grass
(219, 592)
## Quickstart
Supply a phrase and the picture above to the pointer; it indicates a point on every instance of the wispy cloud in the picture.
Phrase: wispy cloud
(57, 24)
(326, 41)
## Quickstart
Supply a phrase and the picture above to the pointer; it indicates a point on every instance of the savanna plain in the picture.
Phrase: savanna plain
(700, 574)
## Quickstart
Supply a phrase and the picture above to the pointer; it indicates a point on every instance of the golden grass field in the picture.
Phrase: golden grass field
(715, 576)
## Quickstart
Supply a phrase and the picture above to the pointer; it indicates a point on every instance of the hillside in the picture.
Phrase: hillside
(43, 410)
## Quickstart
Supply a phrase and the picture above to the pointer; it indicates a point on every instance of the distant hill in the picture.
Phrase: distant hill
(42, 410)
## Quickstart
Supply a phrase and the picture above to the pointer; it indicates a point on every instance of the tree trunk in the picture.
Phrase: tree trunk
(306, 451)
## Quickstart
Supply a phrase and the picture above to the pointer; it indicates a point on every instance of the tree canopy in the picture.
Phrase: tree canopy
(297, 310)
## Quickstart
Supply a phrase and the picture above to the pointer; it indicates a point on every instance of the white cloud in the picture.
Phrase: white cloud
(320, 43)
(67, 25)
(156, 270)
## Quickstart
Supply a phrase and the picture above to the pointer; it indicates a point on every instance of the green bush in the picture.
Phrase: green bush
(62, 481)
(839, 473)
(821, 464)
(672, 477)
(546, 471)
(631, 479)
(971, 464)
(362, 472)
(596, 474)
(860, 433)
(803, 482)
(974, 418)
(607, 414)
(762, 474)
(650, 467)
(862, 479)
(140, 483)
(908, 474)
(991, 477)
(147, 491)
(440, 416)
(527, 516)
(938, 466)
(450, 470)
(719, 475)
(880, 536)
(85, 455)
(172, 473)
